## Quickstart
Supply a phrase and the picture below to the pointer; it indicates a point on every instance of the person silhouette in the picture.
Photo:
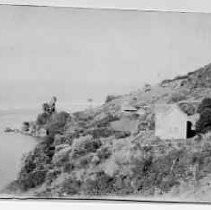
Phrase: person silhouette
(52, 104)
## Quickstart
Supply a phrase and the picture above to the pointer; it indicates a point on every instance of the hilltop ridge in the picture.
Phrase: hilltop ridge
(200, 78)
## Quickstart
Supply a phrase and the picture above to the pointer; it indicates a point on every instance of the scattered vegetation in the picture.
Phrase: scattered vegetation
(84, 145)
(203, 125)
(188, 108)
(36, 166)
(84, 155)
(57, 123)
(110, 98)
(42, 119)
(178, 96)
(205, 104)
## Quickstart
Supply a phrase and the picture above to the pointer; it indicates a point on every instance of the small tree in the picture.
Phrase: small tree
(203, 125)
(206, 103)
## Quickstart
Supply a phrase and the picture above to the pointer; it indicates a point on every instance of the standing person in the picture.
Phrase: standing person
(52, 104)
(45, 108)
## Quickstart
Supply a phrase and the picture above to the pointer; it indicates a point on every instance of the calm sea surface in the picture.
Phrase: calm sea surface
(13, 146)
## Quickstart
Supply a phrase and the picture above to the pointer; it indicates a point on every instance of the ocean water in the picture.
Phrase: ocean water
(13, 146)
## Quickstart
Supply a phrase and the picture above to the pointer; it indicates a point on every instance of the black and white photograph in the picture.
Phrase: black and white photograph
(105, 104)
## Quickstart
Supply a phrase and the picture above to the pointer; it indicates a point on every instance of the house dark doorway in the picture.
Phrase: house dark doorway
(190, 133)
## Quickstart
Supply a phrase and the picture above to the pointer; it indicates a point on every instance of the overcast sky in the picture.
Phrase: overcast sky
(81, 53)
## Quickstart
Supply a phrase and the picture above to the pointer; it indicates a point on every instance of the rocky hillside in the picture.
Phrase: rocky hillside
(200, 78)
(112, 149)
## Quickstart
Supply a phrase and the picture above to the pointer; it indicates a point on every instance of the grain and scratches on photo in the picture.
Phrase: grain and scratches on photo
(105, 104)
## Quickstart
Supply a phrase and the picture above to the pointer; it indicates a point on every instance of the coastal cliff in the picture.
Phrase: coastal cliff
(112, 149)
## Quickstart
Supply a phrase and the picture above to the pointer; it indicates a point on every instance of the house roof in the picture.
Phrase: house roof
(129, 108)
(167, 108)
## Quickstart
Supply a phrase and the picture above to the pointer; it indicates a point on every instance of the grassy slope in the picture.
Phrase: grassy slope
(104, 152)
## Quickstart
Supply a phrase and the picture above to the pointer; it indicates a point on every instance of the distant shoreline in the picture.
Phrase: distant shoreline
(74, 107)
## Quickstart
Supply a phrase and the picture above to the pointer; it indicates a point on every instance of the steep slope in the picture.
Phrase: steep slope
(111, 150)
(200, 78)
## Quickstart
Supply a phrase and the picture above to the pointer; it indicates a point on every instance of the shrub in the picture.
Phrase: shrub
(57, 123)
(52, 175)
(84, 161)
(83, 116)
(110, 98)
(177, 96)
(68, 167)
(203, 125)
(42, 119)
(85, 145)
(35, 166)
(189, 109)
(100, 132)
(106, 120)
(104, 153)
(70, 186)
(101, 185)
(32, 179)
(207, 137)
(122, 134)
(62, 156)
(123, 184)
(59, 139)
(206, 103)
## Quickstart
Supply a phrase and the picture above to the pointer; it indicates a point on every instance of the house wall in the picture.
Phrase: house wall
(170, 123)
